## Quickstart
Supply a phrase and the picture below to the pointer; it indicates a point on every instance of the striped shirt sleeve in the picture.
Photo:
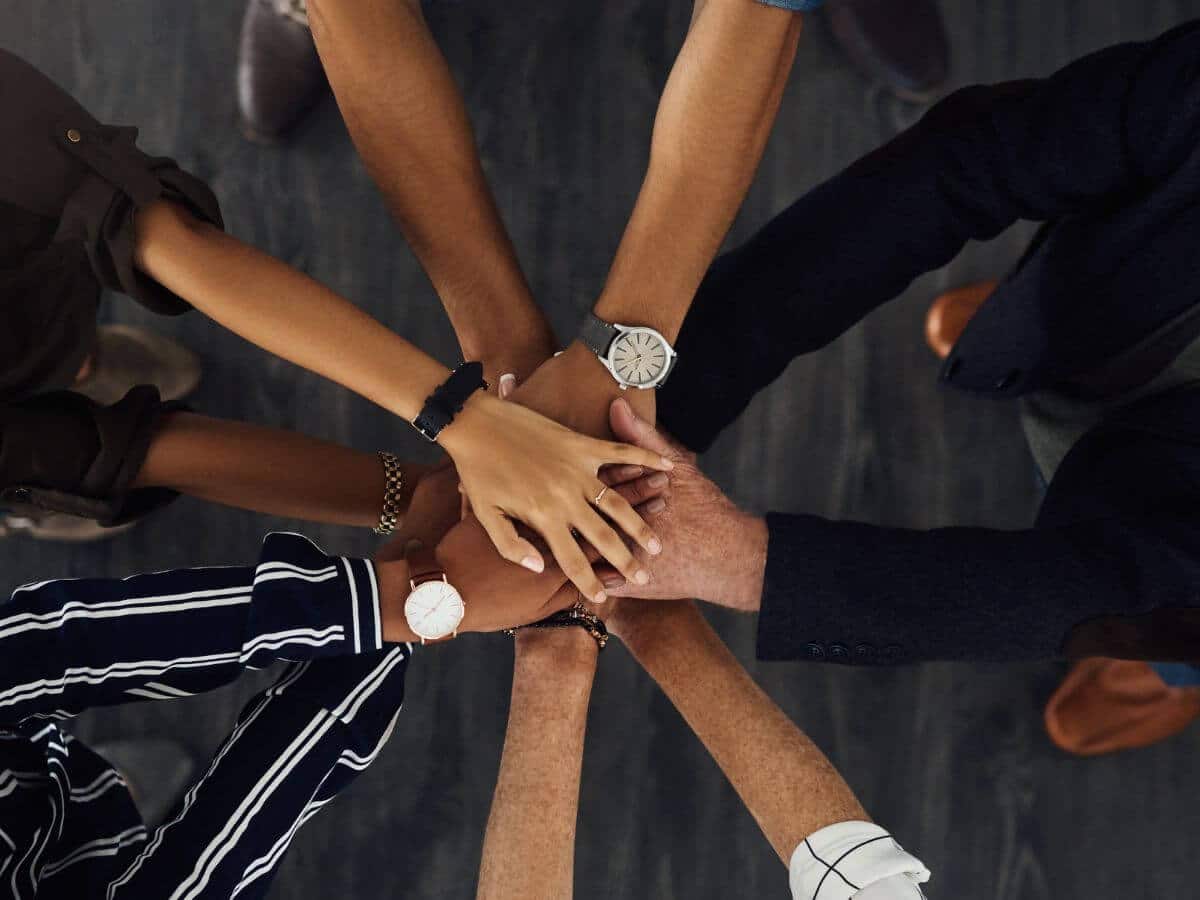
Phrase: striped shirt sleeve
(68, 645)
(855, 861)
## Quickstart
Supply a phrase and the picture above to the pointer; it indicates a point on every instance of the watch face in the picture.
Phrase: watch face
(434, 610)
(639, 357)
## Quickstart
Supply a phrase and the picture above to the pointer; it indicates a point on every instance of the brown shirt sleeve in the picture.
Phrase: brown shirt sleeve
(62, 452)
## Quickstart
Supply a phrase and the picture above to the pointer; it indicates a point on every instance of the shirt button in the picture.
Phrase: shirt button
(864, 653)
(839, 653)
(74, 136)
(815, 651)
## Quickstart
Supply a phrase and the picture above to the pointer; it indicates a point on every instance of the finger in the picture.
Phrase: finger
(611, 547)
(644, 489)
(614, 453)
(629, 427)
(610, 578)
(574, 564)
(614, 475)
(508, 543)
(508, 384)
(617, 508)
(564, 599)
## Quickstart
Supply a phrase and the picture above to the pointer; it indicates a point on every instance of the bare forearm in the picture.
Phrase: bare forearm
(713, 122)
(529, 848)
(268, 470)
(282, 310)
(788, 785)
(407, 119)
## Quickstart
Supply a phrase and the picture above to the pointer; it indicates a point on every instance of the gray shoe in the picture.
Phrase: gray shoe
(156, 770)
(127, 356)
(59, 527)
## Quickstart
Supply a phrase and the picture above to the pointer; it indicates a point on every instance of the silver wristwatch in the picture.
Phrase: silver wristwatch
(637, 356)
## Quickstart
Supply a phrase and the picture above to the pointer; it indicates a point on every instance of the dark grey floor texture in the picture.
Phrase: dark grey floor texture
(951, 757)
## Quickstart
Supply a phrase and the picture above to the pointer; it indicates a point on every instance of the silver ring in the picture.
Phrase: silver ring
(600, 496)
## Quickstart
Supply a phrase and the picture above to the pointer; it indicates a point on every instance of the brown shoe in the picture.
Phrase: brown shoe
(1107, 705)
(279, 75)
(900, 43)
(949, 314)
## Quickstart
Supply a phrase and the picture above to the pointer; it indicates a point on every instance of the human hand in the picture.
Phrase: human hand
(435, 508)
(713, 550)
(574, 389)
(497, 596)
(518, 465)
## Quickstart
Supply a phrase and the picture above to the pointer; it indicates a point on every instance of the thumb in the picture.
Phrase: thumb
(631, 429)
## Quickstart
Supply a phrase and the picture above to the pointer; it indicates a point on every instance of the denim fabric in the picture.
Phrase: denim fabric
(795, 5)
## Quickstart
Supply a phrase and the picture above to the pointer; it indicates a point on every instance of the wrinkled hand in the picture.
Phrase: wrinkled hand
(713, 550)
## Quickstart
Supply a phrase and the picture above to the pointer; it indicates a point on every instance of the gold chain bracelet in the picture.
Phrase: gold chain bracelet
(393, 485)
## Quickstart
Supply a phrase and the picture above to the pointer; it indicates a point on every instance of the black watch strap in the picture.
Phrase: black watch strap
(448, 400)
(597, 335)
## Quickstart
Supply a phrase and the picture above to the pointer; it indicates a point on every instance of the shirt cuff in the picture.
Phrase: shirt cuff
(795, 5)
(304, 598)
(847, 860)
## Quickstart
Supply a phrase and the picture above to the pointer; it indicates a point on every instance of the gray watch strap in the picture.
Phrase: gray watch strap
(597, 335)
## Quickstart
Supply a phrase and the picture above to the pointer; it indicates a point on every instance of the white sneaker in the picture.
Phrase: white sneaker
(59, 527)
(127, 356)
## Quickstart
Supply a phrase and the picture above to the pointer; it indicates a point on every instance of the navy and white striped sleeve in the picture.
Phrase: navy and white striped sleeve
(72, 644)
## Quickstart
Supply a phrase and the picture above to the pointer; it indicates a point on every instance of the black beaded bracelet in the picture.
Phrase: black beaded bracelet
(578, 615)
(448, 400)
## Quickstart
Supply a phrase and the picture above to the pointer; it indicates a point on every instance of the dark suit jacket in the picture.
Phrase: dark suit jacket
(1107, 153)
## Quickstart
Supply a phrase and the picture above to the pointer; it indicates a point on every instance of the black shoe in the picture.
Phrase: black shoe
(900, 43)
(279, 76)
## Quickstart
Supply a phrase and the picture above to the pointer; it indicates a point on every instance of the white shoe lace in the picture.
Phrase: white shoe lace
(296, 10)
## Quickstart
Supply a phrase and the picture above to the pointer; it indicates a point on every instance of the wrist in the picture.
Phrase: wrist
(560, 650)
(394, 588)
(747, 537)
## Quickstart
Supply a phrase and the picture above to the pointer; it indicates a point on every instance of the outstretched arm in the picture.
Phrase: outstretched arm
(268, 470)
(786, 782)
(713, 122)
(529, 848)
(407, 119)
(515, 465)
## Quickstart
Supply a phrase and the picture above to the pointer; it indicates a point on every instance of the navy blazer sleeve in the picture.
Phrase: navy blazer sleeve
(1110, 568)
(1096, 132)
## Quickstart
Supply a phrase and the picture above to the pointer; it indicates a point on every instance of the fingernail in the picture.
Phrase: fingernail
(508, 382)
(631, 472)
(612, 582)
(655, 546)
(642, 577)
(533, 564)
(658, 480)
(600, 597)
(657, 505)
(667, 464)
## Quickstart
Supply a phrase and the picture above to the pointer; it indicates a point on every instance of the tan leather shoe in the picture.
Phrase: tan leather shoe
(1108, 705)
(949, 314)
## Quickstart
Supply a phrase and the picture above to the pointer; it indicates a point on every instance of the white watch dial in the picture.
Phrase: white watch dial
(434, 610)
(639, 357)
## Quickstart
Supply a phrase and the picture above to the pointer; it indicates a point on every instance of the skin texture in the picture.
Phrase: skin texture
(714, 550)
(407, 119)
(269, 470)
(410, 126)
(786, 782)
(529, 847)
(515, 465)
